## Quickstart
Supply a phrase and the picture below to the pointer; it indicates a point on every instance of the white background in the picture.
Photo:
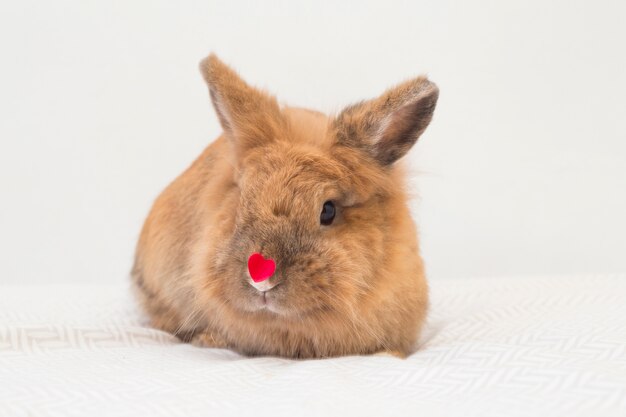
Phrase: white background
(523, 170)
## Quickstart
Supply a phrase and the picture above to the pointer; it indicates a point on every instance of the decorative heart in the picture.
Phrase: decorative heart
(260, 268)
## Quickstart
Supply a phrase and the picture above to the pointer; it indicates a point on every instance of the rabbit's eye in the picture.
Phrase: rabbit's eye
(328, 213)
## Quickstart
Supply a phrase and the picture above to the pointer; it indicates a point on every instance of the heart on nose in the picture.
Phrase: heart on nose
(260, 268)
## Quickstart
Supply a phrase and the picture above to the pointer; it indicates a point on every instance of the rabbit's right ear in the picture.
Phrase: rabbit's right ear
(249, 117)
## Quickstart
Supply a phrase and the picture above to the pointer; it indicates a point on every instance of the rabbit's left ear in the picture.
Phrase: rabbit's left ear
(388, 126)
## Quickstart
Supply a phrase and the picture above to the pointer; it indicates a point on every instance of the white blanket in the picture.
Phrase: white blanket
(549, 346)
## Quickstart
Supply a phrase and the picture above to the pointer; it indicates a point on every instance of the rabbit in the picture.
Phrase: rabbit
(316, 203)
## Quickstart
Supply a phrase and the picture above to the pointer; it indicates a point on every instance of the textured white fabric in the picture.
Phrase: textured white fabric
(549, 346)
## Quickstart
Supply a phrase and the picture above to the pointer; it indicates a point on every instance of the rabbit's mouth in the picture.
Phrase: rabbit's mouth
(264, 296)
(274, 303)
(276, 297)
(267, 300)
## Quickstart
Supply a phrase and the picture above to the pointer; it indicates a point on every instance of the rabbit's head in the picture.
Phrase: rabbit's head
(320, 196)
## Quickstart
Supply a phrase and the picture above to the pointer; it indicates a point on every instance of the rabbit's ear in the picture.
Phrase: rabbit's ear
(249, 117)
(388, 126)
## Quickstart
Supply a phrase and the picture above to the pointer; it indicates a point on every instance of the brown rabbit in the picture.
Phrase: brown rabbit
(321, 196)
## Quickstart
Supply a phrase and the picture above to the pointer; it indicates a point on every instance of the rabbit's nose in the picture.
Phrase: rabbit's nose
(260, 271)
(260, 268)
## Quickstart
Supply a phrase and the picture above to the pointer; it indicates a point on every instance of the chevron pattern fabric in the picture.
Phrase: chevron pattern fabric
(541, 346)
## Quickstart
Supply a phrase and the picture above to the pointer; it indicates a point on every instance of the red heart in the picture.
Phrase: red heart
(260, 268)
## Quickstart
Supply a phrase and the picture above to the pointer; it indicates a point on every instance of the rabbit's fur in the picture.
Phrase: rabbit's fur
(356, 286)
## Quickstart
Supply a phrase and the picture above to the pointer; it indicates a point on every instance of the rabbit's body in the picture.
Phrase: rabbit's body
(356, 286)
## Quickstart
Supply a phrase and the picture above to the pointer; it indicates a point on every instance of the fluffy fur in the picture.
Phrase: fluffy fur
(354, 287)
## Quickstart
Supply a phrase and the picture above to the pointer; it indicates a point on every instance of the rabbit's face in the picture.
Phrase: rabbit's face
(309, 211)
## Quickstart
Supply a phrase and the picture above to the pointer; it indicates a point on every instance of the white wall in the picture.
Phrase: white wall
(523, 170)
